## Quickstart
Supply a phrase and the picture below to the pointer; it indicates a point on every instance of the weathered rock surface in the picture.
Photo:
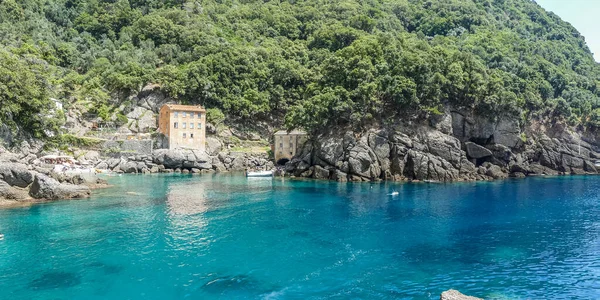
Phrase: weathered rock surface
(173, 159)
(187, 161)
(476, 151)
(15, 174)
(456, 295)
(431, 151)
(11, 193)
(422, 153)
(151, 98)
(213, 146)
(44, 187)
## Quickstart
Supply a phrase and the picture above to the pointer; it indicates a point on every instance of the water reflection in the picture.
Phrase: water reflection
(187, 199)
(211, 237)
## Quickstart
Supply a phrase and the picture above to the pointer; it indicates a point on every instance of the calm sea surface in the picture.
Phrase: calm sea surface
(227, 237)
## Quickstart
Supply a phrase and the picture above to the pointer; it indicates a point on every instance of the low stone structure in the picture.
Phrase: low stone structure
(287, 144)
(128, 147)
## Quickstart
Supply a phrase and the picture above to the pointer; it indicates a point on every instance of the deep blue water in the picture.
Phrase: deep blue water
(223, 236)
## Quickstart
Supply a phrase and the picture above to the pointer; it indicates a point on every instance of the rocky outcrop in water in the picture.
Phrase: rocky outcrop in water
(421, 154)
(8, 192)
(15, 174)
(456, 295)
(44, 187)
(452, 147)
(24, 179)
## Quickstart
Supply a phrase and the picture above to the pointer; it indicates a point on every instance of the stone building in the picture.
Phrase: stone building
(287, 144)
(184, 126)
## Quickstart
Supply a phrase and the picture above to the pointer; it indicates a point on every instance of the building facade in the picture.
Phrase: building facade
(184, 126)
(287, 144)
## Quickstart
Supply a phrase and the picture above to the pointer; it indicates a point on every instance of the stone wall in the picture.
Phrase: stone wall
(128, 147)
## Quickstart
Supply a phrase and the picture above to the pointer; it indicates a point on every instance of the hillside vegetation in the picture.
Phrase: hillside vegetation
(311, 64)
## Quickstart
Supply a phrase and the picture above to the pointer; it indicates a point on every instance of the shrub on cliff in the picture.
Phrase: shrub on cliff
(316, 63)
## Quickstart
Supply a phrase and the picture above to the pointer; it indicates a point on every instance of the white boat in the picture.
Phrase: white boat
(597, 163)
(260, 174)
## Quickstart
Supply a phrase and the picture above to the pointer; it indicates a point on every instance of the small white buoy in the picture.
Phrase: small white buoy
(394, 194)
(1, 236)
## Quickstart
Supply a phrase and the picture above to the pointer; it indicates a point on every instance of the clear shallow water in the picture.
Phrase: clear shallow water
(205, 237)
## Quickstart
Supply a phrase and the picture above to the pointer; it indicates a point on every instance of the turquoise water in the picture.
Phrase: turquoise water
(223, 236)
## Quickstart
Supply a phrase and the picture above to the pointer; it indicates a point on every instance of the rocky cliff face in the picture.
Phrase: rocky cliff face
(453, 147)
(25, 180)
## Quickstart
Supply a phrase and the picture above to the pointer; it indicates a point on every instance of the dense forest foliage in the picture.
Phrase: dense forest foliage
(309, 63)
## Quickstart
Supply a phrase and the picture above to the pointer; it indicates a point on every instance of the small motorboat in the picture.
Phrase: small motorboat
(260, 174)
(394, 194)
(597, 163)
(1, 236)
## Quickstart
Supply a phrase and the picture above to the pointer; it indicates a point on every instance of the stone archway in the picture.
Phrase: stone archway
(282, 162)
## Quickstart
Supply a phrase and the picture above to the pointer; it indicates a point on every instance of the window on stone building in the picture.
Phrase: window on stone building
(191, 125)
(184, 123)
(199, 125)
(175, 125)
(184, 135)
(184, 114)
(191, 135)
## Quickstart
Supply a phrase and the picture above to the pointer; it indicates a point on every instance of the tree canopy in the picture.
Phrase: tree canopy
(308, 63)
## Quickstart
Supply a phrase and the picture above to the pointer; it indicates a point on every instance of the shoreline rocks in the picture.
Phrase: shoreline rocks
(25, 180)
(186, 161)
(44, 187)
(456, 147)
(422, 152)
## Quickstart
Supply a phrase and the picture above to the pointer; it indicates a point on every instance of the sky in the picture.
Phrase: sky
(583, 15)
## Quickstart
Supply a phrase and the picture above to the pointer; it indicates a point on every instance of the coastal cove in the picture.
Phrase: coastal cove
(173, 236)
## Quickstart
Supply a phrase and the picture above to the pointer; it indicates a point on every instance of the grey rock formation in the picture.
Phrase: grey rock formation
(15, 174)
(238, 164)
(340, 176)
(362, 161)
(456, 295)
(128, 166)
(44, 187)
(173, 159)
(501, 130)
(102, 165)
(416, 153)
(151, 98)
(213, 146)
(142, 119)
(431, 149)
(495, 172)
(211, 129)
(11, 193)
(320, 172)
(6, 135)
(476, 151)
